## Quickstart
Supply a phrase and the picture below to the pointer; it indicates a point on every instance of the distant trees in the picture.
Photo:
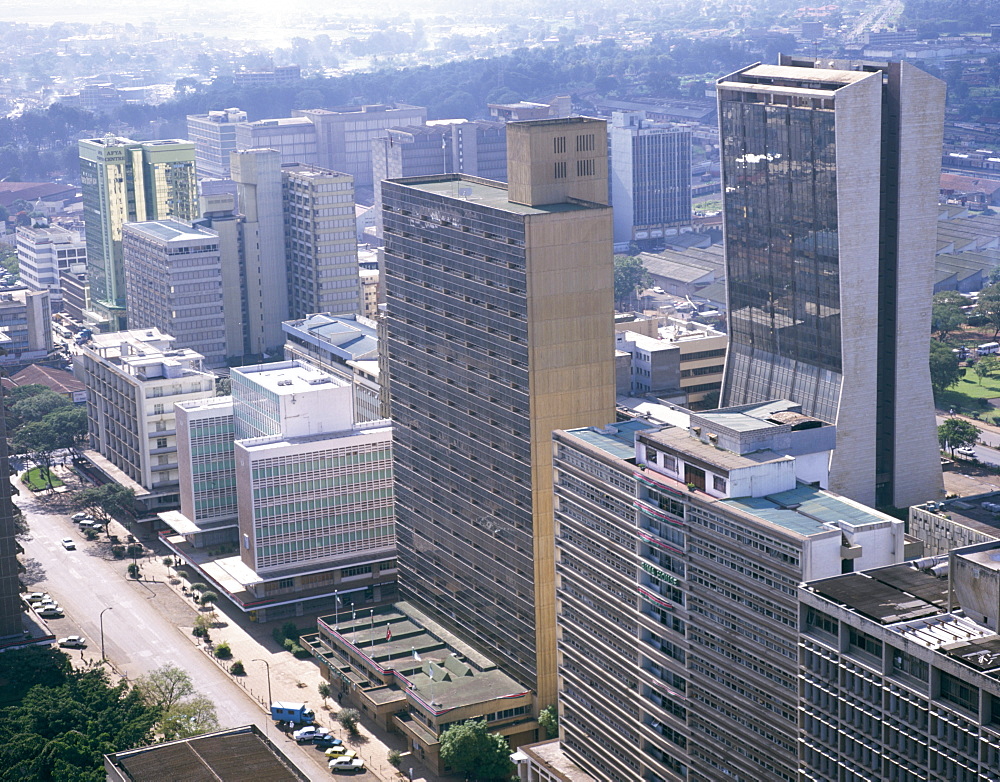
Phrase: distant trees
(944, 368)
(181, 713)
(630, 277)
(946, 313)
(988, 308)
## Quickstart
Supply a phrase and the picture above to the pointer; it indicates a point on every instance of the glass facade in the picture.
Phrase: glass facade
(779, 164)
(458, 362)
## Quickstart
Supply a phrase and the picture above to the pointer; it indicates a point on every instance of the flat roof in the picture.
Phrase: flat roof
(617, 440)
(874, 599)
(682, 441)
(485, 193)
(287, 377)
(807, 75)
(171, 230)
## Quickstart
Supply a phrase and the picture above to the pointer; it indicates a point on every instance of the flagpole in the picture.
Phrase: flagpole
(371, 615)
(336, 608)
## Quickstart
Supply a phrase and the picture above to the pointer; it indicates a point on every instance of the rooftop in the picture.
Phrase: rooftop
(286, 378)
(171, 230)
(681, 441)
(485, 192)
(617, 440)
(349, 336)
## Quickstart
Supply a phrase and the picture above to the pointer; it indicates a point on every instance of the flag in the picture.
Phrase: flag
(388, 633)
(415, 655)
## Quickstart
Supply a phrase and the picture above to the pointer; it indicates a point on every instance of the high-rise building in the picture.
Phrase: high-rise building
(173, 282)
(900, 671)
(133, 379)
(128, 181)
(679, 553)
(257, 173)
(11, 608)
(499, 331)
(830, 174)
(214, 137)
(650, 178)
(321, 248)
(44, 252)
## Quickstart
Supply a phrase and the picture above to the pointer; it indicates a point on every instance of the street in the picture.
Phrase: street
(140, 629)
(986, 449)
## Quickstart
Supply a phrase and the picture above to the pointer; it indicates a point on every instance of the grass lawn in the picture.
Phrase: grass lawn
(36, 479)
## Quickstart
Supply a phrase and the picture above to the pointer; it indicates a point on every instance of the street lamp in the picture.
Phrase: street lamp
(101, 619)
(266, 663)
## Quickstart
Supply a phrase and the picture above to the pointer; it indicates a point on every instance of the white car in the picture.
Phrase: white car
(308, 733)
(80, 517)
(50, 612)
(68, 544)
(966, 451)
(347, 764)
(73, 642)
(38, 597)
(657, 289)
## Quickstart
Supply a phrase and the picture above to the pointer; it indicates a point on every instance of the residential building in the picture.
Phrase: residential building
(650, 178)
(128, 181)
(133, 379)
(214, 137)
(321, 250)
(296, 495)
(900, 671)
(839, 160)
(25, 326)
(43, 252)
(679, 552)
(683, 363)
(498, 331)
(345, 346)
(173, 282)
(414, 677)
(257, 173)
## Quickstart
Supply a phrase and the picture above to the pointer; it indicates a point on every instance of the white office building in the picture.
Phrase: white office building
(42, 253)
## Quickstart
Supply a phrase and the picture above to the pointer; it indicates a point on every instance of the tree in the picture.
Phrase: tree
(630, 276)
(957, 433)
(548, 718)
(348, 719)
(68, 427)
(107, 502)
(324, 691)
(223, 386)
(189, 717)
(988, 307)
(946, 313)
(944, 368)
(165, 687)
(36, 441)
(36, 406)
(208, 597)
(470, 749)
(238, 669)
(985, 367)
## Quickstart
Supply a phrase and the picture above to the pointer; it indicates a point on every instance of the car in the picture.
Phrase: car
(50, 612)
(966, 451)
(307, 734)
(325, 742)
(68, 544)
(80, 517)
(657, 289)
(37, 597)
(73, 642)
(341, 752)
(347, 764)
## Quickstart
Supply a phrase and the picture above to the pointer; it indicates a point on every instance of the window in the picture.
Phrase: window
(908, 665)
(355, 571)
(161, 442)
(719, 484)
(158, 409)
(585, 143)
(286, 583)
(818, 621)
(584, 167)
(670, 462)
(864, 643)
(651, 456)
(560, 170)
(958, 692)
(559, 145)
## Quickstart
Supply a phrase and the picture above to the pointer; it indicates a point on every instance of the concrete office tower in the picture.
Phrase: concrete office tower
(257, 173)
(126, 182)
(133, 379)
(321, 248)
(499, 331)
(25, 326)
(830, 175)
(678, 607)
(344, 134)
(173, 282)
(214, 137)
(42, 253)
(11, 608)
(218, 215)
(900, 671)
(650, 178)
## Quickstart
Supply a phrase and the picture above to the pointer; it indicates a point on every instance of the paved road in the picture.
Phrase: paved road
(987, 449)
(141, 631)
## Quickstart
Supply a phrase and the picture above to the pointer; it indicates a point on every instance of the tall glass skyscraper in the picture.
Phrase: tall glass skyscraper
(830, 193)
(126, 181)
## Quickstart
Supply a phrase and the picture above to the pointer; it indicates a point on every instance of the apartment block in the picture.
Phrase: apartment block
(680, 549)
(133, 379)
(173, 282)
(499, 330)
(900, 671)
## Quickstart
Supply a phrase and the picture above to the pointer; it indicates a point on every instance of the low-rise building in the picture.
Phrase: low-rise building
(286, 503)
(133, 379)
(950, 524)
(412, 675)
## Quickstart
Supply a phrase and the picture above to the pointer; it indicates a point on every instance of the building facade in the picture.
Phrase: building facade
(830, 175)
(499, 329)
(133, 380)
(25, 326)
(650, 178)
(43, 253)
(126, 181)
(214, 137)
(321, 250)
(679, 553)
(173, 282)
(900, 670)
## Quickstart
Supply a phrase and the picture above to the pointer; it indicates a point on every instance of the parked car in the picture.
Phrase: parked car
(68, 544)
(341, 752)
(73, 642)
(37, 597)
(307, 734)
(347, 764)
(966, 451)
(327, 741)
(657, 289)
(80, 517)
(50, 612)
